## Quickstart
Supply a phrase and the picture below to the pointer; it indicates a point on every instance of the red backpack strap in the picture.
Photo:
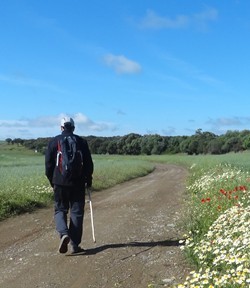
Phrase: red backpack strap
(59, 156)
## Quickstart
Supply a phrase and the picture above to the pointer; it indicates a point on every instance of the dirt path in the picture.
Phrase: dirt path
(137, 234)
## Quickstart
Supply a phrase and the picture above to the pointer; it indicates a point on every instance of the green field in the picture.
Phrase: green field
(24, 186)
(217, 206)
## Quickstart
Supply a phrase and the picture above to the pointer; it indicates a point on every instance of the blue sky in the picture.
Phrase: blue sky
(117, 67)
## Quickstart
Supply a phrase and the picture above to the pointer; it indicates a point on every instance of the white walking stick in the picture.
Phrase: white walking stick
(91, 215)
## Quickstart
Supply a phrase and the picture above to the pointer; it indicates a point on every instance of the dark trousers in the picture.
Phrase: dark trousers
(69, 199)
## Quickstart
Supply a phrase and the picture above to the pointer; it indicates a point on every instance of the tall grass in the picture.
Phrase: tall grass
(241, 160)
(217, 219)
(112, 170)
(24, 186)
(218, 240)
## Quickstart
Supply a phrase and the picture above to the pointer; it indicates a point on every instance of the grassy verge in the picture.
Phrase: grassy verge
(218, 219)
(218, 239)
(112, 170)
(24, 186)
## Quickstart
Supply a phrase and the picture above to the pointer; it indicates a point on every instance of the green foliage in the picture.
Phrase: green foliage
(154, 144)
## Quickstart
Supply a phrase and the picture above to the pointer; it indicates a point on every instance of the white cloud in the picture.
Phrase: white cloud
(201, 20)
(48, 126)
(210, 14)
(121, 64)
(84, 123)
(152, 20)
(223, 121)
(223, 124)
(198, 20)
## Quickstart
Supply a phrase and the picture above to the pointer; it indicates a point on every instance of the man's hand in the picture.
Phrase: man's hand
(89, 183)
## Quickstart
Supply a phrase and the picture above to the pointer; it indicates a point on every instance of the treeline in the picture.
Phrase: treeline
(136, 144)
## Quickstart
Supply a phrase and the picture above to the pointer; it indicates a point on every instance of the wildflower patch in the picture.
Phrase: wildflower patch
(220, 246)
(224, 252)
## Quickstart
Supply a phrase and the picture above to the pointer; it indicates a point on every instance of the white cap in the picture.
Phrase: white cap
(68, 121)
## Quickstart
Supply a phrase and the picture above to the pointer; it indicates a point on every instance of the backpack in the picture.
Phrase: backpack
(69, 158)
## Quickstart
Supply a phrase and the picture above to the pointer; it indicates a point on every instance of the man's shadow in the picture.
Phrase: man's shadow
(147, 245)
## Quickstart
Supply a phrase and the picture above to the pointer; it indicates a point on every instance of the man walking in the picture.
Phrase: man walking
(69, 190)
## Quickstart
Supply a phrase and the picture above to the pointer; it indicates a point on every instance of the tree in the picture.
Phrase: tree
(174, 144)
(215, 146)
(232, 144)
(193, 146)
(131, 142)
(94, 145)
(146, 145)
(184, 145)
(246, 142)
(203, 138)
(112, 147)
(8, 140)
(18, 141)
(135, 146)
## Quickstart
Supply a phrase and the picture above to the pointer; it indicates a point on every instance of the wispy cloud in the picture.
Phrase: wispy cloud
(47, 126)
(199, 20)
(169, 131)
(190, 70)
(120, 112)
(121, 64)
(12, 123)
(229, 121)
(85, 123)
(19, 79)
(82, 122)
(152, 20)
(223, 124)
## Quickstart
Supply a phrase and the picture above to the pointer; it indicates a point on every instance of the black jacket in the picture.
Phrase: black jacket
(52, 171)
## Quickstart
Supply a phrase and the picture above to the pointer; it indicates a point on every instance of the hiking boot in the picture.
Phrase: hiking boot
(63, 247)
(77, 249)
